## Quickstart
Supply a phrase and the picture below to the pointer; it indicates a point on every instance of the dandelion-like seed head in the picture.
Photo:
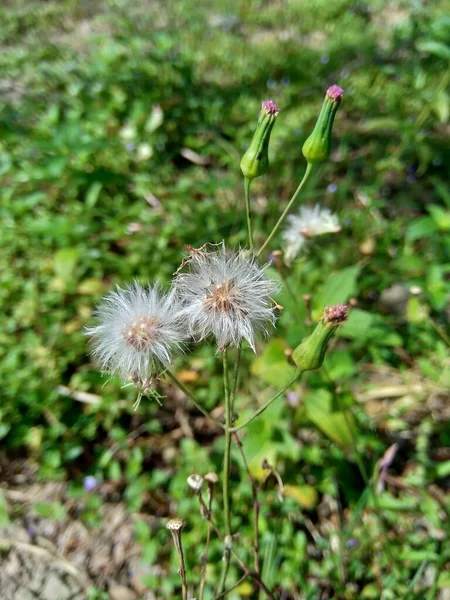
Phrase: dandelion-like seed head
(227, 295)
(307, 223)
(137, 332)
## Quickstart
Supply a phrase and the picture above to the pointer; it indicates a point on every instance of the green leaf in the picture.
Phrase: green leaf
(305, 495)
(436, 48)
(364, 326)
(93, 194)
(339, 287)
(440, 216)
(421, 227)
(64, 262)
(333, 423)
(272, 366)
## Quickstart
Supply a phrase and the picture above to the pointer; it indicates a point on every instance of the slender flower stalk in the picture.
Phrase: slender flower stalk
(248, 213)
(266, 405)
(226, 474)
(306, 176)
(175, 526)
(192, 398)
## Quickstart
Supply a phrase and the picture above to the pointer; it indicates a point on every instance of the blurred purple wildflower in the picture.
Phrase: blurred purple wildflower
(90, 483)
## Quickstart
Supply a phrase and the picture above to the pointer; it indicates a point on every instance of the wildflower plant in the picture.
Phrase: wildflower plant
(224, 296)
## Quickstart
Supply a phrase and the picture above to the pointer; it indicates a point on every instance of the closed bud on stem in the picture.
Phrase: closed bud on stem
(309, 355)
(317, 147)
(255, 161)
(195, 482)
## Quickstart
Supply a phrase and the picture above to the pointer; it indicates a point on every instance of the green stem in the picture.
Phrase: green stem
(226, 558)
(226, 474)
(248, 213)
(237, 365)
(192, 398)
(309, 170)
(226, 462)
(266, 404)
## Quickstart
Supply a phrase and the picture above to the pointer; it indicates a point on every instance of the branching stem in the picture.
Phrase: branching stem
(192, 398)
(267, 404)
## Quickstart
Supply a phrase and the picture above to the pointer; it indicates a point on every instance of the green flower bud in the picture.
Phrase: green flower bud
(310, 353)
(317, 147)
(255, 161)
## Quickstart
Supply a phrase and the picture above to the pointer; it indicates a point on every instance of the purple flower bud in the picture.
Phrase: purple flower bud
(332, 188)
(90, 483)
(270, 107)
(352, 543)
(335, 314)
(335, 92)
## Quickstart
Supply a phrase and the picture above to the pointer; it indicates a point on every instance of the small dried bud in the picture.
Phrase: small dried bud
(255, 161)
(212, 478)
(175, 524)
(317, 147)
(228, 542)
(310, 354)
(195, 482)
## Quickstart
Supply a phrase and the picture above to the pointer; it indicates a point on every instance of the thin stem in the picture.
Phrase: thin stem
(255, 576)
(192, 398)
(208, 541)
(226, 474)
(177, 542)
(248, 213)
(255, 504)
(233, 587)
(309, 170)
(237, 365)
(226, 558)
(267, 404)
(226, 462)
(439, 330)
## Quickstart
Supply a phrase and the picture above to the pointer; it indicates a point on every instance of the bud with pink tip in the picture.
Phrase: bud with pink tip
(317, 147)
(310, 354)
(255, 161)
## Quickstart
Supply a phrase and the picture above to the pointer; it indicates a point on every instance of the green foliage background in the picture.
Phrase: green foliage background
(121, 129)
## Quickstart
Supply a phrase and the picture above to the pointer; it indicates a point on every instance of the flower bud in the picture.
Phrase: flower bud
(317, 147)
(310, 353)
(195, 482)
(255, 161)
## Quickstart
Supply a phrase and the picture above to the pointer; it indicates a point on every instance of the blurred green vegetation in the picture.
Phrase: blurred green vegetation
(121, 129)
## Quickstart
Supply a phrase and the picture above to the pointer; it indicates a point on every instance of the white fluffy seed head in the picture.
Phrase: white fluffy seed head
(226, 295)
(308, 222)
(137, 332)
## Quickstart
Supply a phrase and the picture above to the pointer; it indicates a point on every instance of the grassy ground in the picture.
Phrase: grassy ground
(121, 129)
